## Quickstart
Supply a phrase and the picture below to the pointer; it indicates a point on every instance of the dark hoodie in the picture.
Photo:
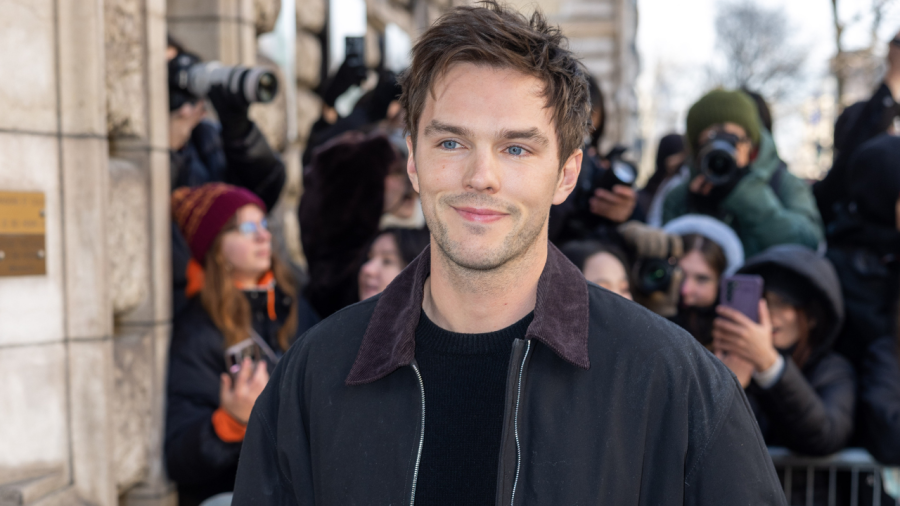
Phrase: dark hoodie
(810, 407)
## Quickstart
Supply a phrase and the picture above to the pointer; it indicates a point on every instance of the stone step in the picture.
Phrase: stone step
(27, 486)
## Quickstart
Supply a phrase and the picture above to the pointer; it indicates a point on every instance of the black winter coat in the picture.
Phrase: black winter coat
(196, 459)
(865, 256)
(606, 403)
(808, 410)
(343, 199)
(248, 162)
(879, 401)
(859, 123)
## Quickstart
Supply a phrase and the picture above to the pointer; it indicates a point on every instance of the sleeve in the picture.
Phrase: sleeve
(817, 420)
(194, 452)
(734, 466)
(765, 221)
(880, 401)
(275, 467)
(254, 165)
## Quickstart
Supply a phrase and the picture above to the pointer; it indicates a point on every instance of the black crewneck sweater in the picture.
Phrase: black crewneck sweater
(465, 383)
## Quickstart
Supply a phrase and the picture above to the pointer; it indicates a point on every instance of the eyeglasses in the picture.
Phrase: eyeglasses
(250, 228)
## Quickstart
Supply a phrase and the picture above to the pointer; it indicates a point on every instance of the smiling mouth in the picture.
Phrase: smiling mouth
(479, 215)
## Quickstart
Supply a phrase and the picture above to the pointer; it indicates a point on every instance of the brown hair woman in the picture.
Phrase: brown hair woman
(239, 293)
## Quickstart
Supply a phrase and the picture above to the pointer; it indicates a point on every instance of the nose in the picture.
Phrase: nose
(263, 234)
(483, 174)
(370, 268)
(686, 289)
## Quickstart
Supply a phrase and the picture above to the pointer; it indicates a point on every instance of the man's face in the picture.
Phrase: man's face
(487, 165)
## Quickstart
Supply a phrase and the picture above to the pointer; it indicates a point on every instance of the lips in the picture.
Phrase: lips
(480, 215)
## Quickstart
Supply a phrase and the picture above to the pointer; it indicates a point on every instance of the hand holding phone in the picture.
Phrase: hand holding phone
(238, 394)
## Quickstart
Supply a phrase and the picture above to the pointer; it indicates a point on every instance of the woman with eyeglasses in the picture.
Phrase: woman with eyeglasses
(243, 314)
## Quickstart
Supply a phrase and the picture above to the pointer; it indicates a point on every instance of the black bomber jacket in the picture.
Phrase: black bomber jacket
(606, 403)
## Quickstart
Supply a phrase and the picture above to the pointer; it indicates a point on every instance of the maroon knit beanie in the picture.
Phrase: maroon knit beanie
(201, 212)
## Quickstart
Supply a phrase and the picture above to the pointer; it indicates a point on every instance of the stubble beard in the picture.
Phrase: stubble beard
(516, 244)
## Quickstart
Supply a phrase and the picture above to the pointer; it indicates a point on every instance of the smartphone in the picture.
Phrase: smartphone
(235, 355)
(743, 293)
(355, 52)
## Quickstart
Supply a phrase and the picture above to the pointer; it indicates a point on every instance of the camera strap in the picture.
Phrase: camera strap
(264, 346)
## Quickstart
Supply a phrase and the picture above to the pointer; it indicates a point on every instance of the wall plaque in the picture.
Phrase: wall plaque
(22, 234)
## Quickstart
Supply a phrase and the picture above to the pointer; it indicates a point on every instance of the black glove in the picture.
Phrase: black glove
(233, 110)
(346, 76)
(709, 203)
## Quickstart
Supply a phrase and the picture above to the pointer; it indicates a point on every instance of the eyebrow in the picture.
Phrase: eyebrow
(437, 127)
(532, 134)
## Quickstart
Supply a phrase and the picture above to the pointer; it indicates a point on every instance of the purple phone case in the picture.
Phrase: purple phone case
(742, 292)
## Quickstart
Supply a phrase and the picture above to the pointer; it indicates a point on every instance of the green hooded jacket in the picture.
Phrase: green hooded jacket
(762, 214)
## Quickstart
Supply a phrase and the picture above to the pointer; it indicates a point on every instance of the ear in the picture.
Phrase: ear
(411, 169)
(568, 177)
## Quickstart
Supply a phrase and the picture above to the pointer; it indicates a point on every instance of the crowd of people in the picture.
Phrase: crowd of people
(817, 354)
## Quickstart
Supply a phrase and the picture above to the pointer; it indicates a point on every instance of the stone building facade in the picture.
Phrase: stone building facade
(83, 347)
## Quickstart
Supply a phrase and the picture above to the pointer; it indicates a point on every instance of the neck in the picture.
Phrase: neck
(474, 302)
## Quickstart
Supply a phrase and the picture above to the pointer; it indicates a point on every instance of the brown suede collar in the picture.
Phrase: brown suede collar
(561, 317)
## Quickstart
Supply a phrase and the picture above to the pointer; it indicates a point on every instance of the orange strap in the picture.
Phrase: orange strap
(227, 428)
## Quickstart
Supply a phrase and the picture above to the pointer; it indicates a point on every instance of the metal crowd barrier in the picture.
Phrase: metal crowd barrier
(854, 461)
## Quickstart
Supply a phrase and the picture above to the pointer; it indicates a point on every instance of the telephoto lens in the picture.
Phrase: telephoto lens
(717, 161)
(254, 84)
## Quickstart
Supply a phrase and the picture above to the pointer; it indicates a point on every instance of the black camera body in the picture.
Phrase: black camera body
(594, 177)
(653, 275)
(191, 79)
(718, 163)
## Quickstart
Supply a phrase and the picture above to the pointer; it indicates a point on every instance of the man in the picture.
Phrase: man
(764, 203)
(489, 371)
(855, 126)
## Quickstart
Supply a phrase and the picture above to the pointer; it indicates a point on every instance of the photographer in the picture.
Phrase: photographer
(864, 243)
(858, 124)
(599, 202)
(737, 177)
(233, 151)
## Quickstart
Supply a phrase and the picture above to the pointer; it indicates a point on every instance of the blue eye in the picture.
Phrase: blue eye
(449, 144)
(516, 150)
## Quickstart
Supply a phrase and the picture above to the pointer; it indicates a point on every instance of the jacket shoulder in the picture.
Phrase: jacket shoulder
(333, 343)
(621, 323)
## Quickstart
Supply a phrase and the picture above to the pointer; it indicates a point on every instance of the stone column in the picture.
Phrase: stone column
(138, 241)
(56, 329)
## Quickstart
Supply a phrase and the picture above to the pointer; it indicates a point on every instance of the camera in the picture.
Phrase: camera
(189, 76)
(717, 158)
(594, 177)
(653, 275)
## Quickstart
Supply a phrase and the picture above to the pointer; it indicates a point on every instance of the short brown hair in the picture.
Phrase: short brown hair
(494, 35)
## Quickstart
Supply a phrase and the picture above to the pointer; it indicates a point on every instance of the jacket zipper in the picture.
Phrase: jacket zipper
(515, 423)
(412, 500)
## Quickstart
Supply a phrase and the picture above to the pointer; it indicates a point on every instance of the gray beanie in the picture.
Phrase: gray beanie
(715, 231)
